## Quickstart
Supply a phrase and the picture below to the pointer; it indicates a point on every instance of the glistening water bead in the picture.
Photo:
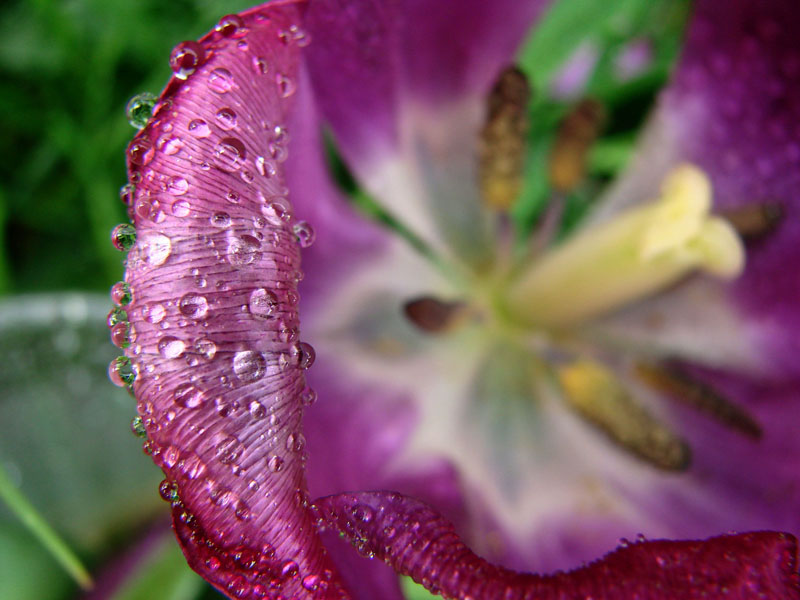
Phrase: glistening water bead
(140, 109)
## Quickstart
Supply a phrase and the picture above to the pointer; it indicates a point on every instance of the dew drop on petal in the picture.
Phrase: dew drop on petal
(206, 347)
(194, 306)
(231, 26)
(199, 128)
(226, 118)
(185, 58)
(123, 237)
(305, 233)
(249, 366)
(188, 395)
(286, 86)
(220, 80)
(177, 186)
(257, 410)
(275, 464)
(120, 335)
(138, 428)
(181, 208)
(121, 293)
(220, 219)
(154, 313)
(229, 154)
(126, 193)
(260, 65)
(140, 109)
(308, 396)
(156, 248)
(121, 372)
(304, 354)
(262, 302)
(243, 250)
(171, 347)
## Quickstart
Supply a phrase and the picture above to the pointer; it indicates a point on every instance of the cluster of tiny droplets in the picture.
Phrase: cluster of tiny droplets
(153, 248)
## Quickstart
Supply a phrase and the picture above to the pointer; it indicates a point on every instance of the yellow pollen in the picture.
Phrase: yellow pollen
(635, 255)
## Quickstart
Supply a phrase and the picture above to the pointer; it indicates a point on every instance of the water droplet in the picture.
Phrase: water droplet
(154, 313)
(140, 151)
(123, 237)
(193, 306)
(177, 186)
(277, 213)
(290, 569)
(121, 294)
(262, 302)
(220, 219)
(249, 366)
(243, 250)
(264, 167)
(229, 154)
(275, 464)
(126, 193)
(169, 144)
(220, 80)
(206, 347)
(116, 315)
(226, 118)
(188, 396)
(285, 85)
(311, 582)
(171, 347)
(171, 456)
(137, 427)
(232, 197)
(277, 151)
(181, 208)
(287, 333)
(295, 442)
(260, 65)
(120, 335)
(140, 109)
(242, 511)
(185, 58)
(149, 208)
(121, 372)
(168, 490)
(193, 467)
(199, 128)
(231, 26)
(156, 248)
(229, 450)
(303, 354)
(257, 410)
(308, 396)
(305, 233)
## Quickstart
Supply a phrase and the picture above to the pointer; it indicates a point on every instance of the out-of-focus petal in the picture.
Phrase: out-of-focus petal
(417, 541)
(403, 85)
(214, 280)
(733, 109)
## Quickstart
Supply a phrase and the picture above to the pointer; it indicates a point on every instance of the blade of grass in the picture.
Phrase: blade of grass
(36, 524)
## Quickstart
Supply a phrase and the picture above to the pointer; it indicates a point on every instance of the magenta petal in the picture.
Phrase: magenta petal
(220, 370)
(416, 541)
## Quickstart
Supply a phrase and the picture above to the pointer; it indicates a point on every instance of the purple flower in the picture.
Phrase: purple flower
(532, 401)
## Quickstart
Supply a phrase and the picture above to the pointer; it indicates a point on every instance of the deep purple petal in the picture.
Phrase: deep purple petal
(417, 541)
(403, 86)
(214, 279)
(733, 108)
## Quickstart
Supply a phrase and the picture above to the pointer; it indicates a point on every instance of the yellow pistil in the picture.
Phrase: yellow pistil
(639, 253)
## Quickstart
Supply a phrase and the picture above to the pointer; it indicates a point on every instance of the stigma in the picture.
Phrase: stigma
(635, 255)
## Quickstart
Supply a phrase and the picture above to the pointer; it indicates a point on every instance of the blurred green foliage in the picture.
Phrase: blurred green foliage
(67, 70)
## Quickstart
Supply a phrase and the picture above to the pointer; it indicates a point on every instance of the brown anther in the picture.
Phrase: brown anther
(577, 133)
(434, 316)
(597, 396)
(676, 384)
(754, 220)
(503, 140)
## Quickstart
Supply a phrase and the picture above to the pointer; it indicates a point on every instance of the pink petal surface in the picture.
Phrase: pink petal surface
(416, 541)
(214, 277)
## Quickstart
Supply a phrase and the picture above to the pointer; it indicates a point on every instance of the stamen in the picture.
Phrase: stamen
(503, 140)
(596, 395)
(755, 220)
(577, 133)
(678, 385)
(435, 316)
(639, 253)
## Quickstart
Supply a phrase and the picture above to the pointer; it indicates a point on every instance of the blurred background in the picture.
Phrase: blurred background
(67, 70)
